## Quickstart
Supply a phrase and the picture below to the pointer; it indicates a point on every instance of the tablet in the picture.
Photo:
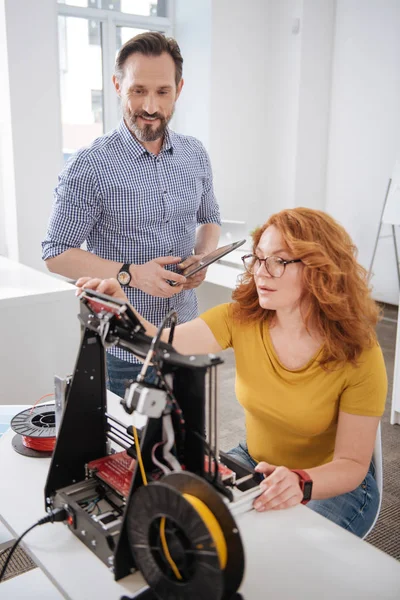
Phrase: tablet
(208, 259)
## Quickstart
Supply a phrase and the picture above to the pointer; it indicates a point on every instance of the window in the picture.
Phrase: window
(146, 8)
(81, 84)
(90, 35)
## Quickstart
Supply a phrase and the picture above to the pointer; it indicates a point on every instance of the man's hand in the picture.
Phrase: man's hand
(195, 280)
(280, 488)
(151, 277)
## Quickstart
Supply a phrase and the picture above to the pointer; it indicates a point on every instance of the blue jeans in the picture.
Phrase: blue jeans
(354, 511)
(120, 373)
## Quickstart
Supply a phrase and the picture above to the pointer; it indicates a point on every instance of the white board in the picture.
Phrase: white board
(391, 213)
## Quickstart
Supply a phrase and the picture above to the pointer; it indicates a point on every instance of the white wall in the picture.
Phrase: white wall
(194, 37)
(35, 141)
(268, 115)
(365, 128)
(314, 94)
(238, 116)
(8, 212)
(309, 118)
(279, 101)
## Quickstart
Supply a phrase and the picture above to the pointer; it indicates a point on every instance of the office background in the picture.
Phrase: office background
(297, 102)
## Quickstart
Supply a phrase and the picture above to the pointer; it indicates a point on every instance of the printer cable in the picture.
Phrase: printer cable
(58, 514)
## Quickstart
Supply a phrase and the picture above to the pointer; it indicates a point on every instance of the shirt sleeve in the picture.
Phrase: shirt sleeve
(219, 320)
(76, 208)
(366, 390)
(208, 211)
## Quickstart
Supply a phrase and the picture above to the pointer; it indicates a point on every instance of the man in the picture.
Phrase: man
(141, 197)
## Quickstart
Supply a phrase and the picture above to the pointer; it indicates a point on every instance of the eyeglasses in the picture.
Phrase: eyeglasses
(274, 265)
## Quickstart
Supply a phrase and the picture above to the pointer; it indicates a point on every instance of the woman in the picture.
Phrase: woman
(310, 374)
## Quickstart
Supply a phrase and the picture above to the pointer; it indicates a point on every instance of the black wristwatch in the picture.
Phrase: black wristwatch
(124, 276)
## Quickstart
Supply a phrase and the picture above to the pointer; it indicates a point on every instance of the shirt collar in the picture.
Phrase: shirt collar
(136, 147)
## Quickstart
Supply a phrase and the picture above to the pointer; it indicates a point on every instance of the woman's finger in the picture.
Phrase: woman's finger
(290, 496)
(280, 474)
(86, 283)
(265, 468)
(92, 284)
(109, 286)
(81, 281)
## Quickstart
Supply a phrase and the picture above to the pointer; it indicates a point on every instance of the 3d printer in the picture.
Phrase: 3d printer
(157, 495)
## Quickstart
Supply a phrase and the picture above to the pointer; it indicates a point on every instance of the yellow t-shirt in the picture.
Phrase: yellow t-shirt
(291, 415)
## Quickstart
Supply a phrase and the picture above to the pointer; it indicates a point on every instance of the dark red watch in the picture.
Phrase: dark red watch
(305, 483)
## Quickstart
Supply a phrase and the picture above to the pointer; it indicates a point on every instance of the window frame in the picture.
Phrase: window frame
(109, 21)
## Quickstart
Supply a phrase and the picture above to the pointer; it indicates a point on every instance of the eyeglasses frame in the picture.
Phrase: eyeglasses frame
(264, 260)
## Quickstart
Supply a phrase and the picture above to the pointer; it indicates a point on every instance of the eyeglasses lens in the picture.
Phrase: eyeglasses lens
(274, 265)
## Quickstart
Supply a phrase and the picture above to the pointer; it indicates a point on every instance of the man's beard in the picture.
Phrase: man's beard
(146, 133)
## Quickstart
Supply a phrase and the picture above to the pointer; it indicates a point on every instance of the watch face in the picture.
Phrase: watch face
(307, 489)
(124, 277)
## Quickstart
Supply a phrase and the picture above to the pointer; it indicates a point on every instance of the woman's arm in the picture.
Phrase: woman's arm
(355, 439)
(194, 337)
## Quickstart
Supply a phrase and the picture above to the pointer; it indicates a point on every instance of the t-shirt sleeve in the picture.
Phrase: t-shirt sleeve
(219, 320)
(366, 389)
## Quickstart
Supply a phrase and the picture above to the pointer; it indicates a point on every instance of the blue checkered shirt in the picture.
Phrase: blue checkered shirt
(131, 206)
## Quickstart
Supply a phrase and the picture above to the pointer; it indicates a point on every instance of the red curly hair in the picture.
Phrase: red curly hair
(336, 291)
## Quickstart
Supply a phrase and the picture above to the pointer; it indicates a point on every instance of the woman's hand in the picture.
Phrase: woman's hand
(280, 488)
(110, 287)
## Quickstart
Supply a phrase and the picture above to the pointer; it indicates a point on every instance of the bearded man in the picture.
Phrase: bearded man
(141, 197)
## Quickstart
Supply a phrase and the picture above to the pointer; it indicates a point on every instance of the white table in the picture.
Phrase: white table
(40, 332)
(290, 554)
(39, 586)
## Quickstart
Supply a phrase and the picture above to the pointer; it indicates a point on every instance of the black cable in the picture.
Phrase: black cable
(174, 319)
(58, 514)
(155, 342)
(176, 410)
(173, 315)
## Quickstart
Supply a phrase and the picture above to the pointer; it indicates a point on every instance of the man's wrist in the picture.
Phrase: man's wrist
(132, 271)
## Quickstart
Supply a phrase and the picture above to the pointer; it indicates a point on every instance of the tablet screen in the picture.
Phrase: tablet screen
(210, 258)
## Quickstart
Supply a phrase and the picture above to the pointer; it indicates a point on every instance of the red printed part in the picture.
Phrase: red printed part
(116, 470)
(223, 470)
(99, 306)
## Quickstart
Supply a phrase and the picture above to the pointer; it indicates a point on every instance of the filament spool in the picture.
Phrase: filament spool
(35, 430)
(202, 538)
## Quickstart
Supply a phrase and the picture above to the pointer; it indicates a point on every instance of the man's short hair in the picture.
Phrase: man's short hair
(150, 43)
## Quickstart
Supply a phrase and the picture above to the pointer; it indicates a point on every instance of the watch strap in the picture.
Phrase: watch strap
(305, 483)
